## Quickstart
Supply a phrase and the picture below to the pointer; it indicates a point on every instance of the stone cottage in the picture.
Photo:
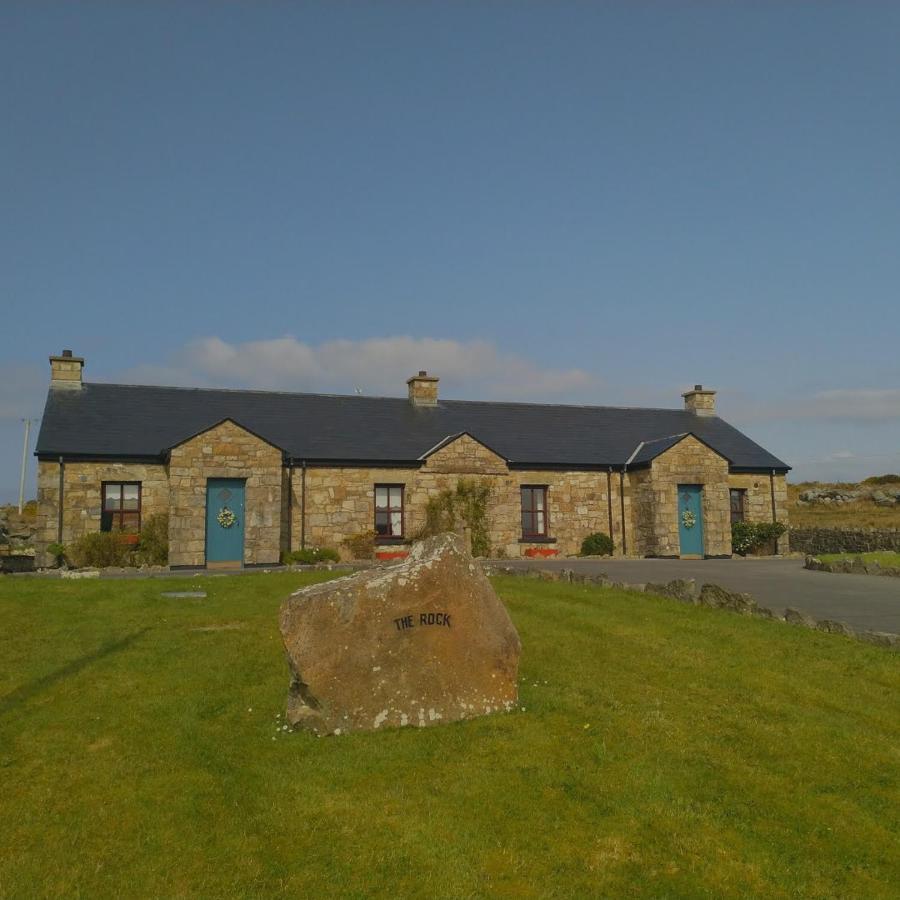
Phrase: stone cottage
(244, 475)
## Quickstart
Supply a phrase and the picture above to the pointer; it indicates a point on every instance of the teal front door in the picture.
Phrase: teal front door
(690, 519)
(224, 522)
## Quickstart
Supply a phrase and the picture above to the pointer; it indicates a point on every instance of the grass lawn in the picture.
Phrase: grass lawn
(882, 557)
(661, 750)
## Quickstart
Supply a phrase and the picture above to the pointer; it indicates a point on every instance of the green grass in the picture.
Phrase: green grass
(661, 750)
(882, 557)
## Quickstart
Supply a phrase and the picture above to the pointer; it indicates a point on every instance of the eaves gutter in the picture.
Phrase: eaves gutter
(417, 464)
(54, 455)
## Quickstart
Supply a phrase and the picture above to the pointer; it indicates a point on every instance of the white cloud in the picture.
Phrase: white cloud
(375, 365)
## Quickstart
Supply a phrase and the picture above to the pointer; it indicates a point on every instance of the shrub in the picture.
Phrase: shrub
(57, 552)
(747, 536)
(360, 546)
(464, 505)
(100, 548)
(597, 544)
(310, 556)
(881, 479)
(153, 543)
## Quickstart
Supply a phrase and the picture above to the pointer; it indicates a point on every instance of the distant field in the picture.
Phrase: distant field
(660, 750)
(861, 514)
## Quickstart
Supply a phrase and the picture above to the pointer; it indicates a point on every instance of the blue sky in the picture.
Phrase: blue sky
(563, 202)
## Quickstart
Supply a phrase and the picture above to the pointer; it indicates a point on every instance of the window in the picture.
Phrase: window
(737, 505)
(121, 506)
(534, 511)
(389, 510)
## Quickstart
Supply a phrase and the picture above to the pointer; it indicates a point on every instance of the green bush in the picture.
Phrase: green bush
(747, 536)
(99, 549)
(310, 556)
(153, 544)
(57, 552)
(597, 544)
(881, 479)
(360, 546)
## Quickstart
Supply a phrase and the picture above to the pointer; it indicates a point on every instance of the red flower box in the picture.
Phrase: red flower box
(391, 554)
(541, 552)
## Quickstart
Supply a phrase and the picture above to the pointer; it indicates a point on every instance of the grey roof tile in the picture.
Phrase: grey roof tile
(144, 421)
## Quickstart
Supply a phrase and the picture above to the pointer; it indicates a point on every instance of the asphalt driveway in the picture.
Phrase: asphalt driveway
(866, 602)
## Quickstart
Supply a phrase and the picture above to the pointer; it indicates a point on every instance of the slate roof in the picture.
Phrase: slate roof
(647, 451)
(115, 420)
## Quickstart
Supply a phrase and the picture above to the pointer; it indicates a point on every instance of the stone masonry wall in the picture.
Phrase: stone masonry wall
(226, 451)
(82, 497)
(758, 500)
(656, 500)
(844, 540)
(341, 501)
(465, 456)
(643, 520)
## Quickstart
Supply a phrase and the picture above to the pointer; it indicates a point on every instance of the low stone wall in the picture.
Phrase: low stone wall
(710, 595)
(813, 541)
(855, 566)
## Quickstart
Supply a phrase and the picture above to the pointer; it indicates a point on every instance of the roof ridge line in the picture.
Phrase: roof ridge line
(225, 390)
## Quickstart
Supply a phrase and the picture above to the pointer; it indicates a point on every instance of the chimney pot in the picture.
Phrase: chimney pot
(67, 353)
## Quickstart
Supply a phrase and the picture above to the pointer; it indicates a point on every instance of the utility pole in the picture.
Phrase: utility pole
(24, 465)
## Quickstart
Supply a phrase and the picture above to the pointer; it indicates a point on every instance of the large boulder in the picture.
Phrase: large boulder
(796, 617)
(418, 643)
(681, 589)
(719, 598)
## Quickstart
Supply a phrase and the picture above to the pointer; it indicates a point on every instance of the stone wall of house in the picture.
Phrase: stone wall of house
(642, 524)
(656, 499)
(341, 504)
(225, 451)
(758, 500)
(465, 456)
(341, 500)
(82, 488)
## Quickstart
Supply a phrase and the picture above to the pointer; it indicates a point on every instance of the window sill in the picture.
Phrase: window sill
(390, 541)
(537, 540)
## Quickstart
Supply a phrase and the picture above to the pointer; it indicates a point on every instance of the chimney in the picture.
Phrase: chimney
(423, 389)
(699, 401)
(65, 371)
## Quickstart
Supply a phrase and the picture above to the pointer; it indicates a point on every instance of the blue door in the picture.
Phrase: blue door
(224, 521)
(690, 519)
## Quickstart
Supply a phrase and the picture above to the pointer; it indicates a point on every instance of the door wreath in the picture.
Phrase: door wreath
(225, 517)
(688, 519)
